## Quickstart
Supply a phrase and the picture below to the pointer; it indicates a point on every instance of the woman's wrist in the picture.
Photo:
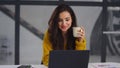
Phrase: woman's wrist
(80, 39)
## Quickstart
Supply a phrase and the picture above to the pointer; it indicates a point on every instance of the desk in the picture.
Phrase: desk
(15, 66)
(90, 65)
(104, 65)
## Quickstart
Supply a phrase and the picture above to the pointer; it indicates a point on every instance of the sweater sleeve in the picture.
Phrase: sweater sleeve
(46, 49)
(80, 45)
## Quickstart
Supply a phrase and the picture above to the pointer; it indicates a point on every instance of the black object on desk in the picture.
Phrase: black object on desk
(69, 59)
(25, 66)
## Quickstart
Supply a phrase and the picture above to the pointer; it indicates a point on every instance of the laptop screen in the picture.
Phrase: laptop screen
(68, 59)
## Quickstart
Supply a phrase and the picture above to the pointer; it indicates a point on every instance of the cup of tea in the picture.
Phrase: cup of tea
(76, 31)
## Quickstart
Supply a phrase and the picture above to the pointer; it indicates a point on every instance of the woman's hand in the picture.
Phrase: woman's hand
(81, 34)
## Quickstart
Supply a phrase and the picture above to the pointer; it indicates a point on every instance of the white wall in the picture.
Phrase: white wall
(7, 32)
(30, 47)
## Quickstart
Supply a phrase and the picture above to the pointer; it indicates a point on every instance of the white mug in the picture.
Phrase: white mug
(76, 31)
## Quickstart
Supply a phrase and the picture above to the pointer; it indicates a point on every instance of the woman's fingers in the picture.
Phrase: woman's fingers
(81, 33)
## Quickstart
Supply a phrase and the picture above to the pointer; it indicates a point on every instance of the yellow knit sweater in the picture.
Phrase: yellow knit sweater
(47, 47)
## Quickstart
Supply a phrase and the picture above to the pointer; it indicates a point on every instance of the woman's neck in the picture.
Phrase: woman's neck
(64, 34)
(64, 37)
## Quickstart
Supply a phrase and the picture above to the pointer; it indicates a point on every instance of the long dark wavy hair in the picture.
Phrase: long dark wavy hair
(55, 34)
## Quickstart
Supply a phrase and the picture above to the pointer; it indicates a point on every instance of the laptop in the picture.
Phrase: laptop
(68, 59)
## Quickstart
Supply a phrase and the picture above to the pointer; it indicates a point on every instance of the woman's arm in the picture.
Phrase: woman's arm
(80, 44)
(46, 49)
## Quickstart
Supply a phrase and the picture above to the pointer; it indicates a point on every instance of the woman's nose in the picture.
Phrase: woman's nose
(64, 22)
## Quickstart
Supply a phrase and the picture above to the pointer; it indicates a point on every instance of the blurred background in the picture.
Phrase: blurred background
(23, 23)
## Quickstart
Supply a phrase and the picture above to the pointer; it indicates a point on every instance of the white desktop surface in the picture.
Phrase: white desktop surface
(91, 65)
(104, 65)
(15, 66)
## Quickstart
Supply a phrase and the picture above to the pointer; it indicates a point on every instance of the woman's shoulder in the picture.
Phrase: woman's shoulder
(46, 34)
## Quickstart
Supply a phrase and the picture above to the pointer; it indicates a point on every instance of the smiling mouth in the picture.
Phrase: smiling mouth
(63, 27)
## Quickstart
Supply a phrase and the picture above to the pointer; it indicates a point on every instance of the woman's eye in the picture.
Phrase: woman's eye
(67, 19)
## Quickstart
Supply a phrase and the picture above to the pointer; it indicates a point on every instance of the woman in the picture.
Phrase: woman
(59, 35)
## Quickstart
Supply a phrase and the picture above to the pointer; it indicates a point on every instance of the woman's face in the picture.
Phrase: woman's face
(65, 21)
